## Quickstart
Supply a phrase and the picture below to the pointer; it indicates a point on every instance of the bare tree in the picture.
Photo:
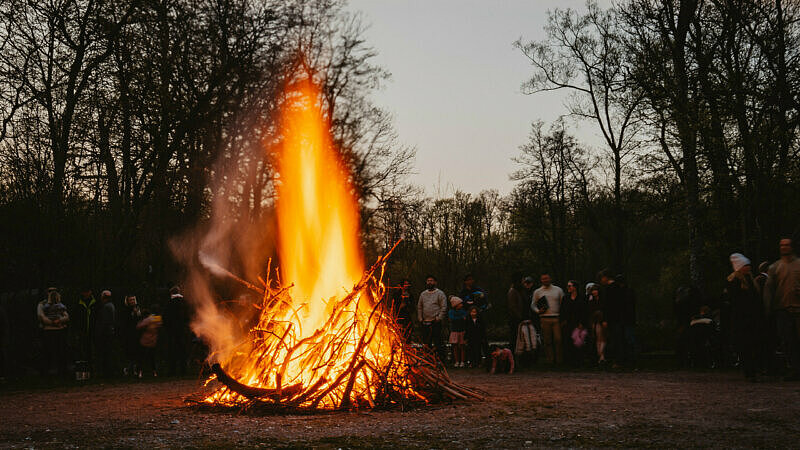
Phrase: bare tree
(585, 55)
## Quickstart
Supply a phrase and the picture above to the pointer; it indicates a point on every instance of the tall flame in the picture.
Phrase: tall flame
(318, 219)
(322, 339)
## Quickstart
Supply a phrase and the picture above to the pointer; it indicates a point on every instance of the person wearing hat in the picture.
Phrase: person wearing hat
(458, 322)
(747, 312)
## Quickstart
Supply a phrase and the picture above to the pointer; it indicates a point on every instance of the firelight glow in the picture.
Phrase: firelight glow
(322, 340)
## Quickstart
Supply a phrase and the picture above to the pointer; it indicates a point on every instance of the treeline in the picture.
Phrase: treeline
(122, 123)
(697, 108)
(123, 120)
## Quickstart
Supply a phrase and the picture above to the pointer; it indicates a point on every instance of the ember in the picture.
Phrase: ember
(318, 345)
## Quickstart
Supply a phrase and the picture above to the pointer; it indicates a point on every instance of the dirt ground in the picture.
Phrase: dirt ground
(529, 409)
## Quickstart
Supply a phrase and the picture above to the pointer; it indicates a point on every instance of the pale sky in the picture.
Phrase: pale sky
(455, 86)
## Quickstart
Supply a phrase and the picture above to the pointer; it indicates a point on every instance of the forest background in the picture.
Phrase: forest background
(123, 122)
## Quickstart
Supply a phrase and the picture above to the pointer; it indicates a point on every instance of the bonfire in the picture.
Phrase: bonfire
(324, 338)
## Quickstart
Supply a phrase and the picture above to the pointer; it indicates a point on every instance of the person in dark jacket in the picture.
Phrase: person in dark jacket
(612, 300)
(105, 332)
(574, 314)
(83, 316)
(599, 330)
(628, 320)
(516, 307)
(403, 308)
(746, 314)
(473, 295)
(129, 317)
(770, 340)
(475, 335)
(176, 331)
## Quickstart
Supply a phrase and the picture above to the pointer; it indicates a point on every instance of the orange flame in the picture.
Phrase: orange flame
(317, 211)
(324, 342)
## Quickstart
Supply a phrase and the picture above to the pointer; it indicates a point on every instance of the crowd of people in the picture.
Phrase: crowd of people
(595, 324)
(542, 320)
(756, 325)
(85, 336)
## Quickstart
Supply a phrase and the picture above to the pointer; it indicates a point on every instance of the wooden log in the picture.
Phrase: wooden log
(250, 391)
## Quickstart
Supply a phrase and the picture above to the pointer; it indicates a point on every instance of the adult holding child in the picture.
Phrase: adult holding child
(53, 318)
(574, 319)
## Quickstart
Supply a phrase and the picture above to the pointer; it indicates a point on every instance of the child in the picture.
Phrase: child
(458, 319)
(503, 359)
(475, 334)
(579, 335)
(149, 339)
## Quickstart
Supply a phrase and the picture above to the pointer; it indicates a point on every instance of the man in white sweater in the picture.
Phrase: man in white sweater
(547, 303)
(431, 309)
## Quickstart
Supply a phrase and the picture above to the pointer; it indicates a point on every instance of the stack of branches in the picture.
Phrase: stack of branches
(356, 359)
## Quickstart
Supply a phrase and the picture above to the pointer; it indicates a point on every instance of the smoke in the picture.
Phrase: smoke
(230, 248)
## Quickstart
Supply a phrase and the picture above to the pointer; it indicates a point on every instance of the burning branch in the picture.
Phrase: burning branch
(316, 346)
(356, 358)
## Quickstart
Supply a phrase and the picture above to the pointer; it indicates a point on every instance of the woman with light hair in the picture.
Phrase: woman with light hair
(746, 314)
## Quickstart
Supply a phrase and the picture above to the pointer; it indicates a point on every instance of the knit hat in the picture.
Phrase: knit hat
(738, 261)
(455, 301)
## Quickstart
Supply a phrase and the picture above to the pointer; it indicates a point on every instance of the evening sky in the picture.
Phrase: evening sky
(455, 85)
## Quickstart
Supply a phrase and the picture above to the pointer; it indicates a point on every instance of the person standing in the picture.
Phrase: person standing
(782, 297)
(547, 303)
(770, 339)
(516, 307)
(130, 315)
(458, 323)
(105, 331)
(148, 327)
(612, 299)
(574, 315)
(431, 310)
(402, 304)
(84, 316)
(475, 335)
(53, 319)
(746, 313)
(176, 328)
(599, 325)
